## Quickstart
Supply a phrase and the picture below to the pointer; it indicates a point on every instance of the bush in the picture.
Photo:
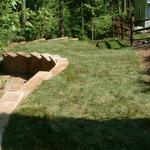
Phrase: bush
(9, 23)
(103, 27)
(39, 24)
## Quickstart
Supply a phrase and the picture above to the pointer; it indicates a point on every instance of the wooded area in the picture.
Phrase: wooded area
(33, 19)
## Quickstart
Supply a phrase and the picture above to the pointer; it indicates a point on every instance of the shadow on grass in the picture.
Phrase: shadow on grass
(1, 67)
(108, 45)
(145, 86)
(146, 71)
(111, 44)
(43, 133)
(147, 59)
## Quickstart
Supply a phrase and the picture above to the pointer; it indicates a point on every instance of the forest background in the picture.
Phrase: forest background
(26, 20)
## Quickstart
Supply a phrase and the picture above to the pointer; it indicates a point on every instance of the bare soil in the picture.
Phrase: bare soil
(11, 83)
(3, 81)
(144, 55)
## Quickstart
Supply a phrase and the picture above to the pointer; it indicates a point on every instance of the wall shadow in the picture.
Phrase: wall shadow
(23, 76)
(146, 65)
(145, 86)
(147, 59)
(43, 133)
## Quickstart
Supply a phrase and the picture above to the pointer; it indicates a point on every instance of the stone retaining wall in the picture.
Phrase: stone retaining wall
(27, 63)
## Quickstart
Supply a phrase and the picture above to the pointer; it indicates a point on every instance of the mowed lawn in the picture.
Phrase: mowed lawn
(100, 102)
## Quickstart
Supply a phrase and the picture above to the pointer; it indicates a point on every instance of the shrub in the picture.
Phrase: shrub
(39, 24)
(9, 22)
(103, 27)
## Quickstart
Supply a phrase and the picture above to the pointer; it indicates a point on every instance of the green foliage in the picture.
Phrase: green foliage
(103, 26)
(9, 21)
(39, 24)
(34, 19)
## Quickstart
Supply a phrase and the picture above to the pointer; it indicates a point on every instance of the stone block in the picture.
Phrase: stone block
(27, 63)
(9, 62)
(22, 63)
(47, 62)
(35, 62)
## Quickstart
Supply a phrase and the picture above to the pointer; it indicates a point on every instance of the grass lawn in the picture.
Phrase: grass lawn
(100, 102)
(139, 36)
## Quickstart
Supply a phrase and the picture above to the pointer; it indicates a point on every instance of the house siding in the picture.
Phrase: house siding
(140, 10)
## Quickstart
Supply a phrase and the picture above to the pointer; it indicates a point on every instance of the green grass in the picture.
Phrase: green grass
(100, 102)
(140, 36)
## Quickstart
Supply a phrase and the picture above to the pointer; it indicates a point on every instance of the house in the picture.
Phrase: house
(141, 10)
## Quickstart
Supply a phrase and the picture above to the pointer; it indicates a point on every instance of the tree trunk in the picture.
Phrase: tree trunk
(92, 30)
(82, 15)
(61, 18)
(120, 6)
(23, 12)
(125, 6)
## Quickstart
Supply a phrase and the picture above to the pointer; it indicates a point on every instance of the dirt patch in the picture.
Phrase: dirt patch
(3, 81)
(1, 93)
(14, 83)
(144, 55)
(11, 83)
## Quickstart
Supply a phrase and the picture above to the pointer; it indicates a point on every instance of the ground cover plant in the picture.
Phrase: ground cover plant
(3, 81)
(100, 102)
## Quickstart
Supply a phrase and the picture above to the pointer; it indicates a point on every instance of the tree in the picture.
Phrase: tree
(23, 12)
(61, 18)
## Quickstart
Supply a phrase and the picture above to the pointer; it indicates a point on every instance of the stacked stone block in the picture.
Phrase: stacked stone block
(27, 63)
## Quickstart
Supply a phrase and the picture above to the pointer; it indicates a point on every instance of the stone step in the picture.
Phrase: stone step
(46, 56)
(47, 62)
(9, 101)
(10, 54)
(35, 81)
(36, 60)
(23, 54)
(27, 63)
(36, 55)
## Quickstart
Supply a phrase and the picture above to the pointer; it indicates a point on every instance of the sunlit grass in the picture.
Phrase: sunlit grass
(98, 102)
